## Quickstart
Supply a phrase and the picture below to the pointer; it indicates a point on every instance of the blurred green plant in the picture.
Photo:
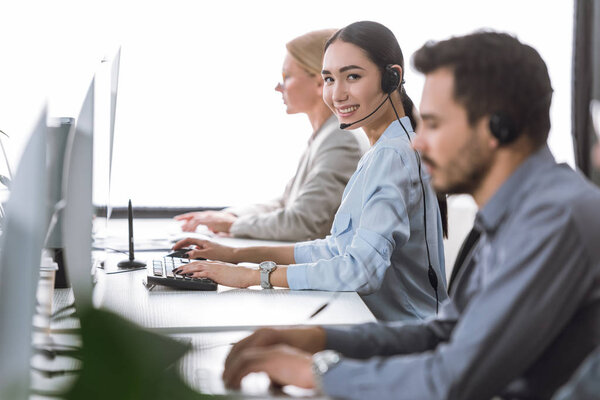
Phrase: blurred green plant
(124, 361)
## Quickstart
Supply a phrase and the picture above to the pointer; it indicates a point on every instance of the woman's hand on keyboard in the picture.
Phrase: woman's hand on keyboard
(223, 273)
(207, 249)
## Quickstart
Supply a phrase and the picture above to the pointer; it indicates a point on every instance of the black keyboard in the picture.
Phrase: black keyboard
(162, 273)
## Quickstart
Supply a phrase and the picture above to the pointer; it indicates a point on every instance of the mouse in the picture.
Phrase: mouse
(182, 253)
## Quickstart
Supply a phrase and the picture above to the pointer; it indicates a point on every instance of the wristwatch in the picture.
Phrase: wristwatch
(266, 267)
(322, 362)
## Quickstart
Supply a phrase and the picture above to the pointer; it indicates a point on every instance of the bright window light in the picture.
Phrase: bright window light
(198, 122)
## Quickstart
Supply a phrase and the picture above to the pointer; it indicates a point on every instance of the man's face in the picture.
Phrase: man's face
(456, 154)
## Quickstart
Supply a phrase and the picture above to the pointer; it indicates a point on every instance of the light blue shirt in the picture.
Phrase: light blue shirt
(377, 241)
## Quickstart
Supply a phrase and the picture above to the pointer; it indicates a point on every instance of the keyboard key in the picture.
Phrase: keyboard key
(170, 273)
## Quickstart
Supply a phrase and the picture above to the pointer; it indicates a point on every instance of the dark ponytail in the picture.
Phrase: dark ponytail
(409, 107)
(381, 46)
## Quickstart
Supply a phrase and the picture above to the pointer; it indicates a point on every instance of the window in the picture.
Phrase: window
(198, 122)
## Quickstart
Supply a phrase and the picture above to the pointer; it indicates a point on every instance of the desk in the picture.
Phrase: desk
(211, 321)
(173, 311)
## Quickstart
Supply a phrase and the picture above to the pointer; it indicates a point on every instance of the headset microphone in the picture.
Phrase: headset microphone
(344, 126)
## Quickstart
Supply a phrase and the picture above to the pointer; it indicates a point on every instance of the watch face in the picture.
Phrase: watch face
(267, 266)
(324, 360)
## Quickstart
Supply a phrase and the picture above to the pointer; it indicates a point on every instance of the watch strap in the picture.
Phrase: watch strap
(266, 267)
(265, 282)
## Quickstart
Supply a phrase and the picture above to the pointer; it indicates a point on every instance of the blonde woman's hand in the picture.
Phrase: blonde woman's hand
(216, 221)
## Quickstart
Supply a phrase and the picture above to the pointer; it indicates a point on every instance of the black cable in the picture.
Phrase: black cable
(431, 275)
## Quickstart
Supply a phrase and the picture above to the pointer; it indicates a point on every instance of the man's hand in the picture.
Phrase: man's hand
(208, 249)
(216, 221)
(309, 339)
(222, 273)
(284, 364)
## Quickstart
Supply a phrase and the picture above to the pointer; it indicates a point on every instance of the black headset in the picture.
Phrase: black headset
(503, 128)
(391, 81)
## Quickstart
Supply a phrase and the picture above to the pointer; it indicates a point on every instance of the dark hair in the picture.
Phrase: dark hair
(494, 72)
(381, 46)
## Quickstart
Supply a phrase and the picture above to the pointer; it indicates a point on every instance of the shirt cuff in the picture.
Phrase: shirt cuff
(302, 252)
(297, 277)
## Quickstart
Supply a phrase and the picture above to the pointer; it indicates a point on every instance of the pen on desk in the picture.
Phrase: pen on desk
(324, 305)
(318, 310)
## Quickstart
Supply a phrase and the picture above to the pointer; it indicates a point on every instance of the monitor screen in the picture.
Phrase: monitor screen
(105, 107)
(23, 232)
(78, 208)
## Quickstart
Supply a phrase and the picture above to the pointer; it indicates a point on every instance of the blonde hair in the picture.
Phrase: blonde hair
(309, 48)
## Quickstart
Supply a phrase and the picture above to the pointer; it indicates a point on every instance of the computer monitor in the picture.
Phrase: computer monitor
(114, 86)
(23, 232)
(105, 107)
(78, 208)
(58, 130)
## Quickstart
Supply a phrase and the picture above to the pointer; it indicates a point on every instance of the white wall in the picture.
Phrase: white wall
(198, 122)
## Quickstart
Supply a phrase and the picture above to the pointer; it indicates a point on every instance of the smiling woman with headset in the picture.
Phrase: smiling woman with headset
(386, 239)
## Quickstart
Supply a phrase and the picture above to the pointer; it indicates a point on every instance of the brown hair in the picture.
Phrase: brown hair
(494, 72)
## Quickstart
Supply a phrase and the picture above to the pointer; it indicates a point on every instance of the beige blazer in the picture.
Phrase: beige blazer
(306, 209)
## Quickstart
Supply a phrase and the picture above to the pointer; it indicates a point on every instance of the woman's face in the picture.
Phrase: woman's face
(300, 90)
(352, 87)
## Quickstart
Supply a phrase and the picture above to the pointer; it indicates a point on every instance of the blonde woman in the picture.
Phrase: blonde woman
(306, 209)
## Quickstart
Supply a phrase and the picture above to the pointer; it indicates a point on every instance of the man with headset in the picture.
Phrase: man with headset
(525, 309)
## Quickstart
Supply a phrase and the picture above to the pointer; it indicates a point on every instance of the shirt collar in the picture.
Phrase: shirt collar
(395, 129)
(508, 195)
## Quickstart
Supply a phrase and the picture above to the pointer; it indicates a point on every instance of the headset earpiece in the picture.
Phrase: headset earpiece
(503, 128)
(390, 79)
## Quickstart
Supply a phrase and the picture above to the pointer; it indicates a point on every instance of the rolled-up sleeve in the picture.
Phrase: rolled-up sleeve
(538, 277)
(383, 224)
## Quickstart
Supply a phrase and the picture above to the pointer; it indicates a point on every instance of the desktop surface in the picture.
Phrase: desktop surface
(171, 310)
